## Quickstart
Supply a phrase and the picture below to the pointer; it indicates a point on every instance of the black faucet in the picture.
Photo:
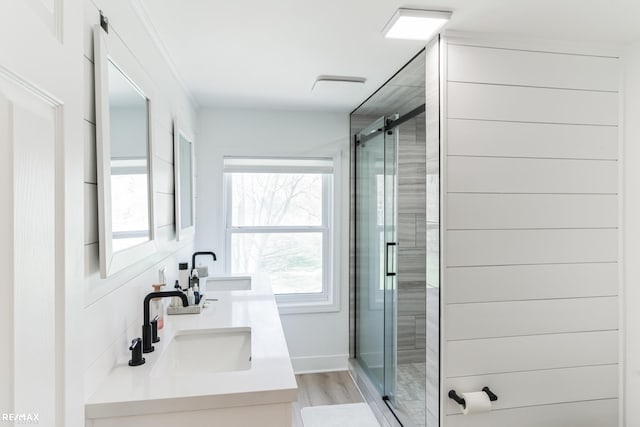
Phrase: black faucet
(147, 330)
(195, 254)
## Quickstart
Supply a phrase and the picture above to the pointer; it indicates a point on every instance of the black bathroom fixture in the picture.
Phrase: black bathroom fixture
(136, 353)
(460, 401)
(195, 254)
(148, 335)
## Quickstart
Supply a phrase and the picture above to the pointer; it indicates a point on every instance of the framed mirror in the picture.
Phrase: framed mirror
(124, 160)
(184, 178)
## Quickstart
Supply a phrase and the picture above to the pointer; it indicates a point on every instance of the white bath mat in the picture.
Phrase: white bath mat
(352, 415)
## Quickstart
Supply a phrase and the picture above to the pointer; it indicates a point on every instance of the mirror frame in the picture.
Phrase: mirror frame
(108, 47)
(187, 232)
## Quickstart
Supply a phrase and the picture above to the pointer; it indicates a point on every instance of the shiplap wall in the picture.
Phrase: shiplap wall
(530, 294)
(113, 306)
(631, 238)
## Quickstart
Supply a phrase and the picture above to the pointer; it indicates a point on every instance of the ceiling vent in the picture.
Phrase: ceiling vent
(332, 82)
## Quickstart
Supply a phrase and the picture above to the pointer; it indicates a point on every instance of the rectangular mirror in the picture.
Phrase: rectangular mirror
(125, 194)
(184, 173)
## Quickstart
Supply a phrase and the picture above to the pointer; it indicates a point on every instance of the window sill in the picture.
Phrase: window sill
(289, 307)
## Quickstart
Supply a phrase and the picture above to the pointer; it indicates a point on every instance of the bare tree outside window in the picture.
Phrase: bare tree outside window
(278, 225)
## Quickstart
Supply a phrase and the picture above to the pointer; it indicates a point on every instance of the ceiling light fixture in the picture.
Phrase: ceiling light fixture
(415, 24)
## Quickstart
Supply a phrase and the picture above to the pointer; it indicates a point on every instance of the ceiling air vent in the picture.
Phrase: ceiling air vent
(332, 82)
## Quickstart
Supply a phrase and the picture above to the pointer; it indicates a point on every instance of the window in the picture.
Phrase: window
(279, 216)
(129, 202)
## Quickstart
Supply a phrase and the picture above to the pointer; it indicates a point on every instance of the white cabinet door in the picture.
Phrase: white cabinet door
(40, 193)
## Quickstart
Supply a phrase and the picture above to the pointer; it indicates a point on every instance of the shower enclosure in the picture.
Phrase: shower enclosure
(395, 244)
(376, 254)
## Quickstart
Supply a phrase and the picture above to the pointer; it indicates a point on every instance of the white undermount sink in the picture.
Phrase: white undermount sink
(229, 283)
(217, 350)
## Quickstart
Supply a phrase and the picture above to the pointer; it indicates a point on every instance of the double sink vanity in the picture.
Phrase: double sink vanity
(226, 366)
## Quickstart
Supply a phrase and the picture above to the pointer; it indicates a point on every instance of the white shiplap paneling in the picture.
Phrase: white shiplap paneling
(167, 234)
(90, 174)
(164, 210)
(530, 353)
(482, 211)
(522, 67)
(592, 413)
(163, 145)
(531, 210)
(523, 282)
(508, 247)
(531, 104)
(162, 176)
(515, 318)
(517, 139)
(162, 118)
(505, 175)
(90, 213)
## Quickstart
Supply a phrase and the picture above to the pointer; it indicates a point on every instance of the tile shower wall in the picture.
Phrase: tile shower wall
(113, 306)
(411, 204)
(530, 285)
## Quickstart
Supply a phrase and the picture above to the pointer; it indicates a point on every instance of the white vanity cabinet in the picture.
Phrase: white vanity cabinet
(204, 387)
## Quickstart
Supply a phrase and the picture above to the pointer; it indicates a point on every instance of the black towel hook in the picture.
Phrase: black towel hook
(460, 401)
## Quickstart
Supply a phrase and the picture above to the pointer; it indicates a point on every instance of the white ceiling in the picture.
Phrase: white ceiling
(267, 54)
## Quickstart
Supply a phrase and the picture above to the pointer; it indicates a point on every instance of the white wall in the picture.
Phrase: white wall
(316, 341)
(530, 283)
(113, 307)
(631, 213)
(40, 209)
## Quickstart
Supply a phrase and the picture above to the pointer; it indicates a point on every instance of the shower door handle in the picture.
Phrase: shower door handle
(390, 260)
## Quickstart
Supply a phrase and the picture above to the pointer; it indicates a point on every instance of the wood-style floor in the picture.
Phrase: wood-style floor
(328, 388)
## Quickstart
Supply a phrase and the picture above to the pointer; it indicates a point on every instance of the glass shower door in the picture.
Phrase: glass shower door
(391, 270)
(369, 252)
(375, 256)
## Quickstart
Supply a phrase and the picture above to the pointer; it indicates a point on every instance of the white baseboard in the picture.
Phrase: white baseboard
(313, 364)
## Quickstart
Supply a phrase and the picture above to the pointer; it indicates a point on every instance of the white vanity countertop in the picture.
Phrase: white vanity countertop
(270, 379)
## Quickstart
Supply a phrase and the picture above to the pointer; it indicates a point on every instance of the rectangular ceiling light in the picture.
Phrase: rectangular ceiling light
(415, 24)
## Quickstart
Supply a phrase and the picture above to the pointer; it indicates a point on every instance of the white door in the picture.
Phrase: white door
(41, 152)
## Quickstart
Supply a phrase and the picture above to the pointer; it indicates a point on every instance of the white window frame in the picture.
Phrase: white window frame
(328, 299)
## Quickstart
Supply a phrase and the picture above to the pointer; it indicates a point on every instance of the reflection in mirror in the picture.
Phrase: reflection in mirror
(186, 189)
(184, 183)
(129, 134)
